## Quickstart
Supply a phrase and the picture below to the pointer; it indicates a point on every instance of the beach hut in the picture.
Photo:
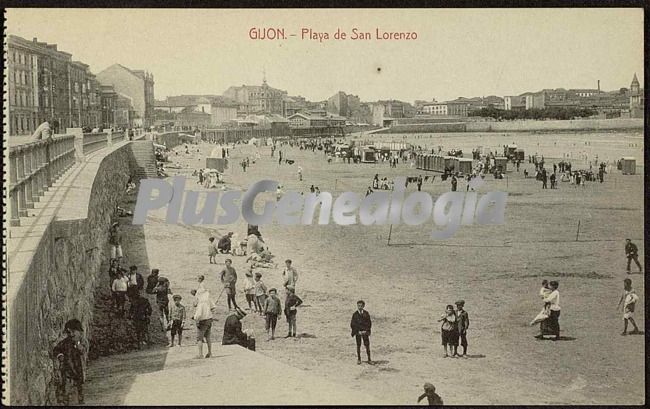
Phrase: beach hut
(439, 165)
(501, 163)
(519, 154)
(368, 155)
(418, 161)
(449, 163)
(464, 166)
(216, 163)
(628, 166)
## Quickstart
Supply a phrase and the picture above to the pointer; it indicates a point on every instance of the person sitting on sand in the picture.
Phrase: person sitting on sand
(224, 245)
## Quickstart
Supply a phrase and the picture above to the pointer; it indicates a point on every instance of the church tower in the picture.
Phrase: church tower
(635, 87)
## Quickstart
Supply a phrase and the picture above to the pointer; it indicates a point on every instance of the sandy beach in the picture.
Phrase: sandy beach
(497, 270)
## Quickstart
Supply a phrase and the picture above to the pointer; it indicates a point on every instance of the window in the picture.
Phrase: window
(76, 87)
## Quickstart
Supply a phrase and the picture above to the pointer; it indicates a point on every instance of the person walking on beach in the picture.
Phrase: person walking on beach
(203, 318)
(361, 326)
(632, 253)
(289, 276)
(212, 251)
(628, 299)
(229, 279)
(454, 183)
(300, 173)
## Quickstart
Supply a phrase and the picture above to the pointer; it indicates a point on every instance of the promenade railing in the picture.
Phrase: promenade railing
(94, 141)
(33, 168)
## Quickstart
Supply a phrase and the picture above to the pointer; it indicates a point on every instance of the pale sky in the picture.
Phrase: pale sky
(458, 52)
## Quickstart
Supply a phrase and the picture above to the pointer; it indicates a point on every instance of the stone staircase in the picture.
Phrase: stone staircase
(145, 160)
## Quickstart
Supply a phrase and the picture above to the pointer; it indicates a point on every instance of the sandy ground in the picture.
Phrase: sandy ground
(497, 270)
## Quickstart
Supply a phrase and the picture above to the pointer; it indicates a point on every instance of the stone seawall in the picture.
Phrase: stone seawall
(56, 281)
(518, 126)
(573, 125)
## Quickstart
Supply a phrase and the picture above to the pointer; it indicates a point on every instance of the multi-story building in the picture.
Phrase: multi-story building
(448, 108)
(123, 113)
(514, 102)
(77, 89)
(137, 85)
(38, 85)
(258, 99)
(108, 102)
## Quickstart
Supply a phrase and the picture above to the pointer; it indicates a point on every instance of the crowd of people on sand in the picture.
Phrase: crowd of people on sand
(128, 286)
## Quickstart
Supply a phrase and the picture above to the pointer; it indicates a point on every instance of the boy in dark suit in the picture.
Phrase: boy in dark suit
(361, 326)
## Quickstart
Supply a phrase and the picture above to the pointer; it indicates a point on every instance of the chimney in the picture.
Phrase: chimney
(599, 86)
(34, 39)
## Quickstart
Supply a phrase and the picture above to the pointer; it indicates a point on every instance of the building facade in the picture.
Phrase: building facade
(258, 99)
(137, 85)
(38, 85)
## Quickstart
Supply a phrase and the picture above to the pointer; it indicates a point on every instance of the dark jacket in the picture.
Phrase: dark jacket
(139, 281)
(360, 322)
(152, 282)
(631, 249)
(72, 364)
(463, 321)
(140, 309)
(232, 333)
(162, 290)
(115, 237)
(291, 301)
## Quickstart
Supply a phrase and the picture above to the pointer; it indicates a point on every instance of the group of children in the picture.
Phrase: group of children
(269, 305)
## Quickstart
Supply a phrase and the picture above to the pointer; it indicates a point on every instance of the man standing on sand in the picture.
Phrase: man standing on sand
(290, 276)
(361, 326)
(203, 318)
(632, 253)
(463, 324)
(229, 279)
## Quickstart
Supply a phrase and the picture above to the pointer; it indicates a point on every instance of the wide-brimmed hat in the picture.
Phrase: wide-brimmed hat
(177, 297)
(240, 312)
(460, 302)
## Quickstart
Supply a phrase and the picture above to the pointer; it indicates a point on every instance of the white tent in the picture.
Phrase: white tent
(252, 141)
